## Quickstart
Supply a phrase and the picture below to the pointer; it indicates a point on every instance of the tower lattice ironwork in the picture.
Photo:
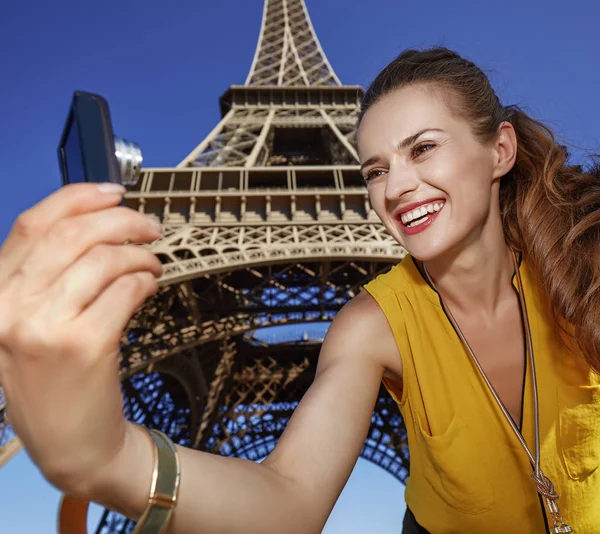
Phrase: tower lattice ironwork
(267, 223)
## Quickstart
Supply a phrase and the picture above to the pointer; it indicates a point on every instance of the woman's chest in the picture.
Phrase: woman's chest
(499, 347)
(465, 454)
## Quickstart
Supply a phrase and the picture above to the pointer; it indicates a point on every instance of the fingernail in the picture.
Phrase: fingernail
(155, 225)
(110, 187)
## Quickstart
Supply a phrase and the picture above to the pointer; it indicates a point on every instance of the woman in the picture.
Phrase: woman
(502, 236)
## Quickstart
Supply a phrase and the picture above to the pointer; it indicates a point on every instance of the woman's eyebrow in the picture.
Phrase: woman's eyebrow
(412, 138)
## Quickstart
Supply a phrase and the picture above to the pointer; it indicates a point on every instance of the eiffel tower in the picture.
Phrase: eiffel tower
(268, 228)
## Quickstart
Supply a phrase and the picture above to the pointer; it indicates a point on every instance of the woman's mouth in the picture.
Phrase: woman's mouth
(416, 220)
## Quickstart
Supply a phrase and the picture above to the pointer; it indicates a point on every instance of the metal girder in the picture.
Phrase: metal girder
(267, 224)
(259, 389)
(189, 252)
(9, 443)
(9, 448)
(236, 141)
(288, 51)
(223, 305)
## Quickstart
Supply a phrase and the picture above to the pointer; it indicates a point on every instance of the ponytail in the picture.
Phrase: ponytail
(551, 212)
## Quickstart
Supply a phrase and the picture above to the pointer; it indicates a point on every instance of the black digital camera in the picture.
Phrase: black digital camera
(89, 151)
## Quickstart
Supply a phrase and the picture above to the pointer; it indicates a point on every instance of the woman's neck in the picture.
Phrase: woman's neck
(477, 279)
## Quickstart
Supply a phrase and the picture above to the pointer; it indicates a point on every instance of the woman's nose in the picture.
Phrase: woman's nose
(400, 180)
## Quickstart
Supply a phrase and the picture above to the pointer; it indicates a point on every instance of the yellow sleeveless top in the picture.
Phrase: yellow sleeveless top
(468, 471)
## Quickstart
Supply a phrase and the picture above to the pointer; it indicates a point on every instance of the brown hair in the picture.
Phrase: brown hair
(550, 208)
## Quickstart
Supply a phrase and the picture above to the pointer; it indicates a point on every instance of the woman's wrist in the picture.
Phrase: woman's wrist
(124, 484)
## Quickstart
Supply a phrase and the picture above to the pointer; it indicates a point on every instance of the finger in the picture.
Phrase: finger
(32, 224)
(72, 237)
(111, 311)
(93, 273)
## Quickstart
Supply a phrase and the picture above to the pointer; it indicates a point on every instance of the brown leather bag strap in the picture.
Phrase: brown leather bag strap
(72, 517)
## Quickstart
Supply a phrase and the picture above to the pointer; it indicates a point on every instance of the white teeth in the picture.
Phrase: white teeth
(417, 223)
(419, 212)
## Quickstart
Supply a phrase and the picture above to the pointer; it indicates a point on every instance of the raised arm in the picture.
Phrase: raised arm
(68, 287)
(297, 485)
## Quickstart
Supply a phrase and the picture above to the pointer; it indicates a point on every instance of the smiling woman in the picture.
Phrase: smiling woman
(501, 233)
(443, 163)
(486, 335)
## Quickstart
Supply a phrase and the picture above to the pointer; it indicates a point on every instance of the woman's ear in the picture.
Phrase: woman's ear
(505, 149)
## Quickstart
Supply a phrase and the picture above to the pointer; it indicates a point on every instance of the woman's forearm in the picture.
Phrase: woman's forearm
(216, 494)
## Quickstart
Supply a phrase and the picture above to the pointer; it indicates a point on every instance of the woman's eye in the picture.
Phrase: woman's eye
(373, 174)
(420, 149)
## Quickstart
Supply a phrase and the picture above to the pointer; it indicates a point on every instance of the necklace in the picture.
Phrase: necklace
(542, 483)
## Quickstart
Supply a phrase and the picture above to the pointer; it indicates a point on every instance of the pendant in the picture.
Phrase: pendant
(559, 525)
(546, 489)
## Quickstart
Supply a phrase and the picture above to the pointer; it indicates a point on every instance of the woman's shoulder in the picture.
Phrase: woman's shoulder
(363, 325)
(363, 311)
(368, 328)
(396, 278)
(403, 283)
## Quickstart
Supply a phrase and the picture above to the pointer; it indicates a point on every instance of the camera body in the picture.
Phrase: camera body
(88, 150)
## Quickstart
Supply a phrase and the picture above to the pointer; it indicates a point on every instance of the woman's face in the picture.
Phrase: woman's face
(429, 179)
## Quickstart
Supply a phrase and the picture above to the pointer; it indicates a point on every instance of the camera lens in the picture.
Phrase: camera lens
(129, 157)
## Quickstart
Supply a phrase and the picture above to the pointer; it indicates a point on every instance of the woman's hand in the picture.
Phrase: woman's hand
(68, 287)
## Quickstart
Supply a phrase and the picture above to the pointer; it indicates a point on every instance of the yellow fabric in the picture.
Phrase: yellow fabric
(469, 473)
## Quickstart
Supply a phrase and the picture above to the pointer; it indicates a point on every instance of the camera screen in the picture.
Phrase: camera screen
(72, 153)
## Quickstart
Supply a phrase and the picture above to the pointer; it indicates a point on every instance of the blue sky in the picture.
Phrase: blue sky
(162, 67)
